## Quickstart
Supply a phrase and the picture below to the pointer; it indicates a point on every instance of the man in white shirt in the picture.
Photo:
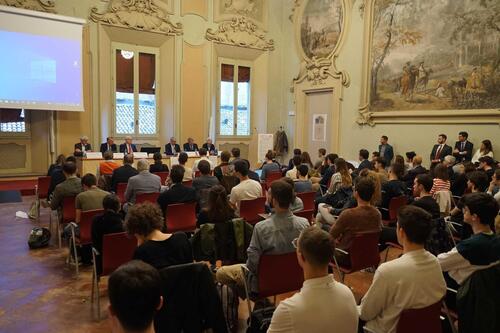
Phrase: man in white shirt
(247, 189)
(322, 305)
(412, 281)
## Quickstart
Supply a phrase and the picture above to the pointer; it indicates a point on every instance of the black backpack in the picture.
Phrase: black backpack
(39, 237)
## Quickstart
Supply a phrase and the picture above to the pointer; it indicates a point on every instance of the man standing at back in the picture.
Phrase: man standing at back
(123, 173)
(440, 151)
(463, 148)
(322, 303)
(385, 149)
(247, 189)
(413, 281)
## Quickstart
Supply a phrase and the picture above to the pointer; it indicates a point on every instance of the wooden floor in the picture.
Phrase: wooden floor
(39, 293)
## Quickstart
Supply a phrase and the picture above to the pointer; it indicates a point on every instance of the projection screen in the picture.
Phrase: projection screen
(40, 61)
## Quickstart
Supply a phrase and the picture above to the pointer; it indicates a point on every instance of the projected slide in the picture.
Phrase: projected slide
(38, 69)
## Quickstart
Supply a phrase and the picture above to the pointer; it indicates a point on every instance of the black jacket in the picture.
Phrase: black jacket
(468, 147)
(442, 154)
(178, 193)
(191, 301)
(412, 174)
(122, 175)
(187, 148)
(56, 178)
(78, 145)
(168, 149)
(104, 148)
(365, 164)
(123, 147)
(210, 149)
(158, 167)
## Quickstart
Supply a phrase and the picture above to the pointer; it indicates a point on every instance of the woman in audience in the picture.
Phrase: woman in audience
(188, 172)
(441, 180)
(57, 165)
(494, 187)
(218, 209)
(401, 160)
(269, 165)
(145, 222)
(158, 165)
(341, 178)
(410, 155)
(108, 223)
(306, 159)
(486, 149)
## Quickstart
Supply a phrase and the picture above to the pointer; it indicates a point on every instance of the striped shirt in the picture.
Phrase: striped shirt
(440, 185)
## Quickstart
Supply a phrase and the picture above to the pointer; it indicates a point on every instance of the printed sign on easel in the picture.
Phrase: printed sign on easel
(319, 127)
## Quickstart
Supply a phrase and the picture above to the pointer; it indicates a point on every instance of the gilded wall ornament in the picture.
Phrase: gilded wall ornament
(47, 6)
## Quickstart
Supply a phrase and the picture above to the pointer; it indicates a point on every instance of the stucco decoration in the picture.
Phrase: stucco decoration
(240, 31)
(38, 5)
(254, 10)
(361, 8)
(317, 70)
(144, 15)
(296, 5)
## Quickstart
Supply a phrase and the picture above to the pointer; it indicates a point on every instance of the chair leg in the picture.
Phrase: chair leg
(448, 316)
(58, 233)
(98, 300)
(73, 238)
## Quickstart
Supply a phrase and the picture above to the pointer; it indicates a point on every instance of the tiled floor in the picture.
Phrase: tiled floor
(39, 293)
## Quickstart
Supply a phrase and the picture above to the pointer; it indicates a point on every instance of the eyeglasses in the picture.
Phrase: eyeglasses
(295, 242)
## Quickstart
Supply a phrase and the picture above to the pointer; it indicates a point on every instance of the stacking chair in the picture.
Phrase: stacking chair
(163, 176)
(363, 253)
(394, 205)
(181, 217)
(392, 245)
(272, 176)
(147, 197)
(188, 183)
(68, 213)
(278, 274)
(117, 250)
(250, 209)
(307, 214)
(42, 189)
(120, 191)
(308, 199)
(85, 237)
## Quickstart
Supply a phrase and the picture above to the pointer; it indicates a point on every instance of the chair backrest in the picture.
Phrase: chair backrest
(43, 186)
(68, 209)
(307, 199)
(250, 209)
(181, 217)
(197, 174)
(85, 224)
(395, 204)
(120, 191)
(163, 176)
(117, 249)
(271, 176)
(364, 250)
(146, 197)
(420, 320)
(279, 273)
(307, 214)
(188, 183)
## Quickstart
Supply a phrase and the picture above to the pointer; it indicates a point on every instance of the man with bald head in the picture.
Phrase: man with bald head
(123, 173)
(128, 147)
(172, 148)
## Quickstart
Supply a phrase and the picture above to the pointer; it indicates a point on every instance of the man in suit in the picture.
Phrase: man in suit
(109, 145)
(463, 148)
(143, 182)
(82, 146)
(123, 173)
(128, 147)
(414, 172)
(385, 149)
(364, 162)
(178, 192)
(440, 150)
(209, 146)
(190, 145)
(172, 148)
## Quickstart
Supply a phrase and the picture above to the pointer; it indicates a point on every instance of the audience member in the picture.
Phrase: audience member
(320, 160)
(375, 155)
(178, 192)
(190, 145)
(306, 159)
(487, 164)
(57, 165)
(477, 181)
(440, 151)
(364, 163)
(203, 157)
(217, 209)
(410, 155)
(416, 170)
(160, 250)
(188, 172)
(363, 218)
(379, 166)
(341, 178)
(449, 162)
(392, 188)
(172, 147)
(204, 182)
(143, 182)
(269, 165)
(296, 152)
(494, 187)
(235, 152)
(292, 173)
(297, 204)
(401, 161)
(459, 185)
(209, 146)
(271, 236)
(385, 149)
(422, 192)
(463, 148)
(322, 303)
(224, 168)
(247, 189)
(82, 147)
(158, 165)
(411, 281)
(123, 173)
(70, 187)
(57, 176)
(482, 249)
(441, 180)
(486, 149)
(107, 223)
(128, 147)
(134, 291)
(302, 184)
(329, 170)
(107, 167)
(109, 145)
(91, 197)
(252, 174)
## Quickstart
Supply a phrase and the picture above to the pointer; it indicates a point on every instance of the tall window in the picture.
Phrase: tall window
(234, 100)
(12, 121)
(135, 91)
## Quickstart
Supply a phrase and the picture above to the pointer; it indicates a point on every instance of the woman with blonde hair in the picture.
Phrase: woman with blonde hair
(341, 178)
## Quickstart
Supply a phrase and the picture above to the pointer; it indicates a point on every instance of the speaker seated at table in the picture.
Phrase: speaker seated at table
(190, 145)
(172, 148)
(82, 146)
(128, 147)
(109, 145)
(210, 147)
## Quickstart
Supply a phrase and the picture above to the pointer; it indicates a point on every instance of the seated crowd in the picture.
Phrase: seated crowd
(442, 219)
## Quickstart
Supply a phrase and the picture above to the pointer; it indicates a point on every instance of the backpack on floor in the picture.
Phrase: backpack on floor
(230, 303)
(261, 320)
(39, 237)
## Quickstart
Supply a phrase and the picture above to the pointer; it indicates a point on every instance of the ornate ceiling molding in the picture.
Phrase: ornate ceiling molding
(47, 6)
(240, 31)
(317, 70)
(144, 15)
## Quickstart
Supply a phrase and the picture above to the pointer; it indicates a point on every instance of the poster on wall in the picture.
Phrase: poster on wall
(265, 143)
(319, 127)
